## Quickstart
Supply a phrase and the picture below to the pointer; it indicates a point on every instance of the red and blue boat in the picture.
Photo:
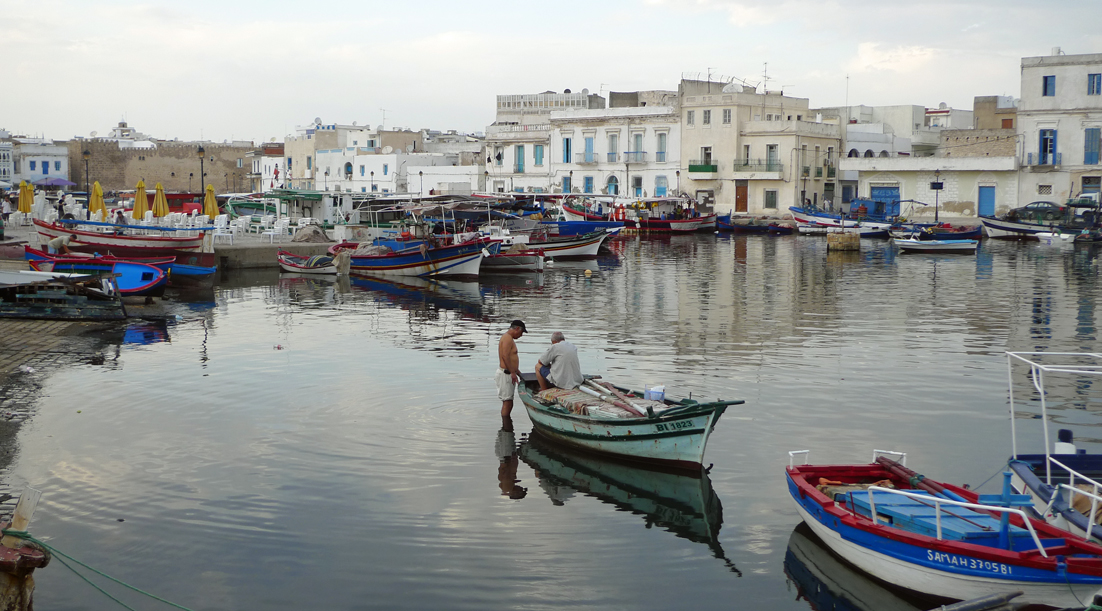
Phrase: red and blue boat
(132, 279)
(939, 539)
(423, 260)
(180, 274)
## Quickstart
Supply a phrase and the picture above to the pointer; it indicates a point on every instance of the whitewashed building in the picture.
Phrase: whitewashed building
(362, 170)
(1060, 126)
(632, 149)
(34, 159)
(518, 146)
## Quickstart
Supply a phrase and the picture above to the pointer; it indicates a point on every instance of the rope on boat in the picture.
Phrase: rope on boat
(62, 556)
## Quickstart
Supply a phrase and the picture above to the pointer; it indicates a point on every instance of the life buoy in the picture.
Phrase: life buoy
(406, 235)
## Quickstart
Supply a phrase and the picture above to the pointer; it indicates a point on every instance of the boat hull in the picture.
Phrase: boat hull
(676, 441)
(459, 260)
(955, 572)
(832, 220)
(1010, 230)
(527, 261)
(120, 245)
(962, 247)
(581, 247)
(294, 264)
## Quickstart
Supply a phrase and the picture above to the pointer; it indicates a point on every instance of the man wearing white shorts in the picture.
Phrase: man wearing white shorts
(508, 365)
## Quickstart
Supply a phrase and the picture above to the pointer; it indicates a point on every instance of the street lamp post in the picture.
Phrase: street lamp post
(422, 175)
(189, 177)
(678, 175)
(937, 191)
(486, 180)
(87, 192)
(570, 183)
(327, 180)
(202, 176)
(372, 181)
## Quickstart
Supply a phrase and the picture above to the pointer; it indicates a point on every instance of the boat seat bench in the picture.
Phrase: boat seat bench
(911, 515)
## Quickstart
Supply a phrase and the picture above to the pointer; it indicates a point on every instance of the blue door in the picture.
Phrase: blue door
(987, 201)
(886, 200)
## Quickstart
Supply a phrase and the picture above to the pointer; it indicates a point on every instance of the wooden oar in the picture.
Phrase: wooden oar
(603, 396)
(649, 410)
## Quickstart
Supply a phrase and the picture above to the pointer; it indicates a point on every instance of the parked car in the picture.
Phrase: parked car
(1037, 212)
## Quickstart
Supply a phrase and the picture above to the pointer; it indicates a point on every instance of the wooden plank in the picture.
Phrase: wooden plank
(28, 502)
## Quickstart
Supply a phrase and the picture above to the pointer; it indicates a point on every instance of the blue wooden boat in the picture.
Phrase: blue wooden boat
(132, 279)
(425, 261)
(935, 538)
(182, 275)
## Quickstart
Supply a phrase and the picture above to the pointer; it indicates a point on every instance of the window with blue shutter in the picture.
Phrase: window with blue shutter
(1094, 84)
(537, 153)
(32, 165)
(588, 184)
(1091, 145)
(566, 150)
(1047, 153)
(1048, 86)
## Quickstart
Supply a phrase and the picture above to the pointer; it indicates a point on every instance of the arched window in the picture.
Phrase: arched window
(853, 153)
(348, 169)
(884, 154)
(869, 153)
(613, 186)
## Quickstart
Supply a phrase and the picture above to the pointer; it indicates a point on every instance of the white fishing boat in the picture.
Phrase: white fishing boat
(107, 242)
(612, 420)
(963, 247)
(1055, 238)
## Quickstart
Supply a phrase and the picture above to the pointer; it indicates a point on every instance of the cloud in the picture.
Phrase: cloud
(871, 56)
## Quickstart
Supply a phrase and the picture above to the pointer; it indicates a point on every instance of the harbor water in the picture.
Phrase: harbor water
(293, 443)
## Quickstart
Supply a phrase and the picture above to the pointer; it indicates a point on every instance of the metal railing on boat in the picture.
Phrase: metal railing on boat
(938, 502)
(1095, 499)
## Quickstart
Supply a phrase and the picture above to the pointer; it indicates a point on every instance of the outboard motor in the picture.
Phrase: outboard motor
(1064, 443)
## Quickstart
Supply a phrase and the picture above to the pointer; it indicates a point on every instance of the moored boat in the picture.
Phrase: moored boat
(959, 247)
(514, 260)
(132, 279)
(314, 265)
(662, 432)
(119, 245)
(422, 260)
(938, 539)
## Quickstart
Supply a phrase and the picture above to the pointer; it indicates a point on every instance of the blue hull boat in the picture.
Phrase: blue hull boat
(133, 279)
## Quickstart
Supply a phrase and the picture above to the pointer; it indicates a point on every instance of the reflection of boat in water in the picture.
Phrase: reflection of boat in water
(412, 292)
(681, 503)
(827, 582)
(146, 333)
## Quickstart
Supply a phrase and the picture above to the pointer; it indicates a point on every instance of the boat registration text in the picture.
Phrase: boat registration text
(968, 563)
(676, 425)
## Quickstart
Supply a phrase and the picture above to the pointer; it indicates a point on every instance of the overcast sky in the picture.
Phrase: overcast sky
(254, 70)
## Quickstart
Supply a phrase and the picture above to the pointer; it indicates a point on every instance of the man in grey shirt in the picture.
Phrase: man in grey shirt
(559, 366)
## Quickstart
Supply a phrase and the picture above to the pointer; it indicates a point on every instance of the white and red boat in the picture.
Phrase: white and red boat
(120, 245)
(649, 219)
(939, 539)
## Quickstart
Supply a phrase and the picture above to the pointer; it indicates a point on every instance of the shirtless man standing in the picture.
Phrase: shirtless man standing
(508, 365)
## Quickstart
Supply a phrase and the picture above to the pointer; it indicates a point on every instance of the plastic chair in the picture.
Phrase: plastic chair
(278, 229)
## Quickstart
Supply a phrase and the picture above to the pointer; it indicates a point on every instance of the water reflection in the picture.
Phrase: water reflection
(146, 333)
(684, 505)
(505, 448)
(423, 296)
(827, 582)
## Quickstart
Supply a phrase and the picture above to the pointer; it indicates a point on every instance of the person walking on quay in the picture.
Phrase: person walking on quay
(559, 366)
(508, 365)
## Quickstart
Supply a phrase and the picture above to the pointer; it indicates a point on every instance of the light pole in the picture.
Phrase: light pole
(422, 175)
(327, 180)
(570, 182)
(937, 191)
(372, 181)
(87, 193)
(189, 177)
(486, 180)
(678, 175)
(202, 176)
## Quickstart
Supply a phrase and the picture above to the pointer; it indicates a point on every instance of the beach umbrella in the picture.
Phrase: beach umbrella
(160, 203)
(141, 202)
(210, 205)
(26, 197)
(95, 202)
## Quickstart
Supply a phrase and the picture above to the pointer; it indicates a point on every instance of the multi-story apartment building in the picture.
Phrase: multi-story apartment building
(630, 149)
(34, 159)
(1060, 126)
(519, 148)
(267, 169)
(751, 152)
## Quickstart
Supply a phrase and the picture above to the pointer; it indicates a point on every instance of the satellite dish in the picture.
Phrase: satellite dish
(409, 148)
(353, 124)
(93, 134)
(317, 120)
(388, 150)
(272, 139)
(732, 88)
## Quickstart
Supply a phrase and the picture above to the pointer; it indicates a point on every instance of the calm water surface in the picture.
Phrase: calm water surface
(302, 444)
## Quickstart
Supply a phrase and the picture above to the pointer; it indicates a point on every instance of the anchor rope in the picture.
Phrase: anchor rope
(61, 556)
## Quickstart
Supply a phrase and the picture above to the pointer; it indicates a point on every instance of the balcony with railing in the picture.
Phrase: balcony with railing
(660, 157)
(586, 158)
(635, 157)
(818, 172)
(758, 165)
(831, 171)
(613, 157)
(703, 168)
(1043, 160)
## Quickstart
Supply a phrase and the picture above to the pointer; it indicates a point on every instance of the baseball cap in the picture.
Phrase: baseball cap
(519, 323)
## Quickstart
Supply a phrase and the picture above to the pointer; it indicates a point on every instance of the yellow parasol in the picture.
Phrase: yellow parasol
(210, 205)
(26, 197)
(160, 203)
(95, 204)
(141, 202)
